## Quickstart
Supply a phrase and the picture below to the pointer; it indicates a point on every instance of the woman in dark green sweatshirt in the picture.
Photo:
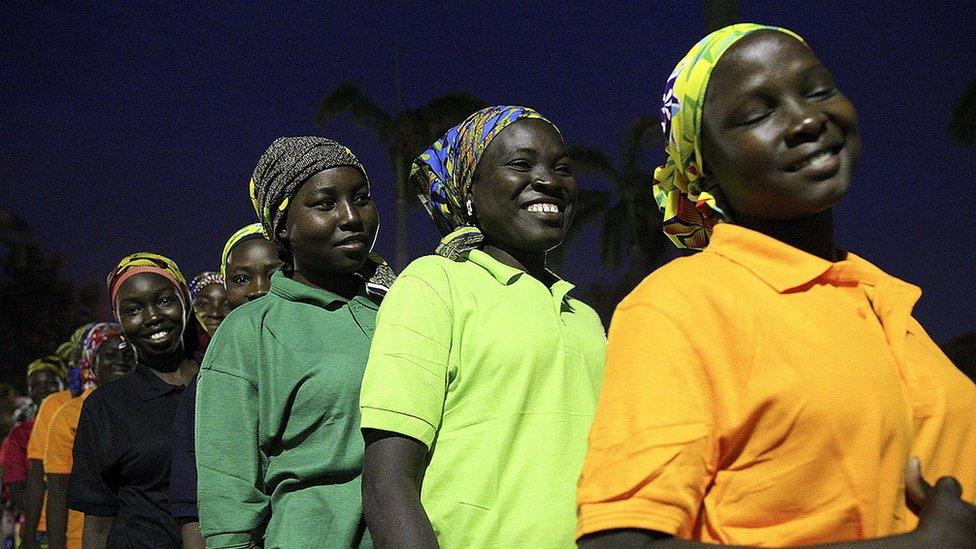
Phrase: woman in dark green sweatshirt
(279, 451)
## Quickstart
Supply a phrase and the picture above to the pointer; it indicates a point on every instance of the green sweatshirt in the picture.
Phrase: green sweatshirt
(279, 450)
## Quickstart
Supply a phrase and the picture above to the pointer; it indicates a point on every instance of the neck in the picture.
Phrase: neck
(345, 285)
(173, 368)
(814, 234)
(533, 264)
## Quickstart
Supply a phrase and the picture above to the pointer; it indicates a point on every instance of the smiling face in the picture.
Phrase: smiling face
(211, 305)
(332, 223)
(113, 358)
(151, 313)
(250, 265)
(523, 192)
(778, 138)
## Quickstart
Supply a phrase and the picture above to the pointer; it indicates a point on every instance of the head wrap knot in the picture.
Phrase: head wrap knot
(442, 175)
(690, 212)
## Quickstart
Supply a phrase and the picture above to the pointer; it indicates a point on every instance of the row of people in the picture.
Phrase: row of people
(768, 391)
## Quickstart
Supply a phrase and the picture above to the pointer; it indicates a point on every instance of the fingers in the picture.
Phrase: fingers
(916, 489)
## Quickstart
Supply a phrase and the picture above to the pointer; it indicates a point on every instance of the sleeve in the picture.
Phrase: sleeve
(13, 457)
(230, 497)
(60, 442)
(89, 489)
(652, 450)
(407, 373)
(183, 478)
(42, 422)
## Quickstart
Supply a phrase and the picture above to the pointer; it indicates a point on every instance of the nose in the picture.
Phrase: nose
(258, 287)
(151, 315)
(348, 215)
(808, 124)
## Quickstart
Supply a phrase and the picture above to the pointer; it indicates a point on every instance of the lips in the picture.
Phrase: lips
(356, 239)
(822, 158)
(157, 336)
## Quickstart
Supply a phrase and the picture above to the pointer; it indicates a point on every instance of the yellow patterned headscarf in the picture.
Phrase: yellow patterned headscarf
(254, 230)
(50, 363)
(146, 262)
(690, 212)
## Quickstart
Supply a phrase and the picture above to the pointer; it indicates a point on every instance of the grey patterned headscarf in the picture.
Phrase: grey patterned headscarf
(282, 170)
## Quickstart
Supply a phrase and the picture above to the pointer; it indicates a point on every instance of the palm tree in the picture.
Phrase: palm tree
(720, 13)
(404, 135)
(963, 127)
(632, 224)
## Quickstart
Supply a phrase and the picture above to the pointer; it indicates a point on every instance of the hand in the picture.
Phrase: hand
(945, 520)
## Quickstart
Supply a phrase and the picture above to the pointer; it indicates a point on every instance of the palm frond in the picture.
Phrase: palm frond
(963, 126)
(348, 97)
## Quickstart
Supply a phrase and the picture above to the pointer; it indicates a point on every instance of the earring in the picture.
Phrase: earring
(470, 209)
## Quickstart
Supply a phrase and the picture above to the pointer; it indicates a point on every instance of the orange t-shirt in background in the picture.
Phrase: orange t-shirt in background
(58, 457)
(759, 395)
(37, 444)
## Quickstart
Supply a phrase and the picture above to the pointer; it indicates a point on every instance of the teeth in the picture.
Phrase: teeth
(543, 207)
(158, 336)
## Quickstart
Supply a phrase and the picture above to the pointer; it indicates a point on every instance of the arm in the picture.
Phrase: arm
(393, 471)
(192, 538)
(34, 500)
(57, 510)
(94, 534)
(230, 462)
(17, 495)
(945, 521)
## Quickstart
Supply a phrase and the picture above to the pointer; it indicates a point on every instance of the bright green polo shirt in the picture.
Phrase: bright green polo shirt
(498, 375)
(278, 446)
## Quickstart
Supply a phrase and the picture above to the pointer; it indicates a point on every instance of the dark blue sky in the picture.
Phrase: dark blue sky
(128, 129)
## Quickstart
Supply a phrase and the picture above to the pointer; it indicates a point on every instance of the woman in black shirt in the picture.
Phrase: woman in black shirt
(120, 477)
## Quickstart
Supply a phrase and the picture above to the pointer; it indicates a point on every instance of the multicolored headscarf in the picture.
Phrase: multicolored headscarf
(442, 174)
(203, 280)
(83, 375)
(690, 212)
(147, 262)
(254, 230)
(285, 167)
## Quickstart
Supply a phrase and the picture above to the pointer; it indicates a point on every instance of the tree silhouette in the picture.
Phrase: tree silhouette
(632, 223)
(403, 135)
(963, 127)
(39, 306)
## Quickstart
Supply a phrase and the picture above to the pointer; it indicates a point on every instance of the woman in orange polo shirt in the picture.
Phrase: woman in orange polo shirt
(770, 390)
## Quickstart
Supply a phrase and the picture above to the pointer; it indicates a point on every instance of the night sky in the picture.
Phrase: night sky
(127, 129)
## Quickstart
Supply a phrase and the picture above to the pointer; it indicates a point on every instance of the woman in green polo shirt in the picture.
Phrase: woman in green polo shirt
(484, 373)
(279, 454)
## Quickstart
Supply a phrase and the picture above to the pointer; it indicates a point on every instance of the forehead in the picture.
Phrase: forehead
(340, 178)
(762, 57)
(144, 284)
(250, 252)
(527, 133)
(212, 290)
(41, 374)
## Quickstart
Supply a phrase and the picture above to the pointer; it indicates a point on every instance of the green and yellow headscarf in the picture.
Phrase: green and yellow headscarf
(689, 211)
(254, 230)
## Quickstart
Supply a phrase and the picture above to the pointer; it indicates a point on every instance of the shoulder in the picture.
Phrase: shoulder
(53, 403)
(431, 267)
(691, 281)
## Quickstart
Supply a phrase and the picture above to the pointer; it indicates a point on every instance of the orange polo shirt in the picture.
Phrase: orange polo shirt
(37, 445)
(759, 395)
(58, 458)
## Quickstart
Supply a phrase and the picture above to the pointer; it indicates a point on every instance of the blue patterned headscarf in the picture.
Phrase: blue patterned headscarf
(442, 174)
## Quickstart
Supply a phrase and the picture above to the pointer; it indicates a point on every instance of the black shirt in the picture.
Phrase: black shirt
(122, 459)
(183, 479)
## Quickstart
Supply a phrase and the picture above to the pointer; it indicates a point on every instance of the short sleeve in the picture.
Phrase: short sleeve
(230, 463)
(651, 449)
(407, 373)
(42, 422)
(60, 443)
(183, 478)
(89, 490)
